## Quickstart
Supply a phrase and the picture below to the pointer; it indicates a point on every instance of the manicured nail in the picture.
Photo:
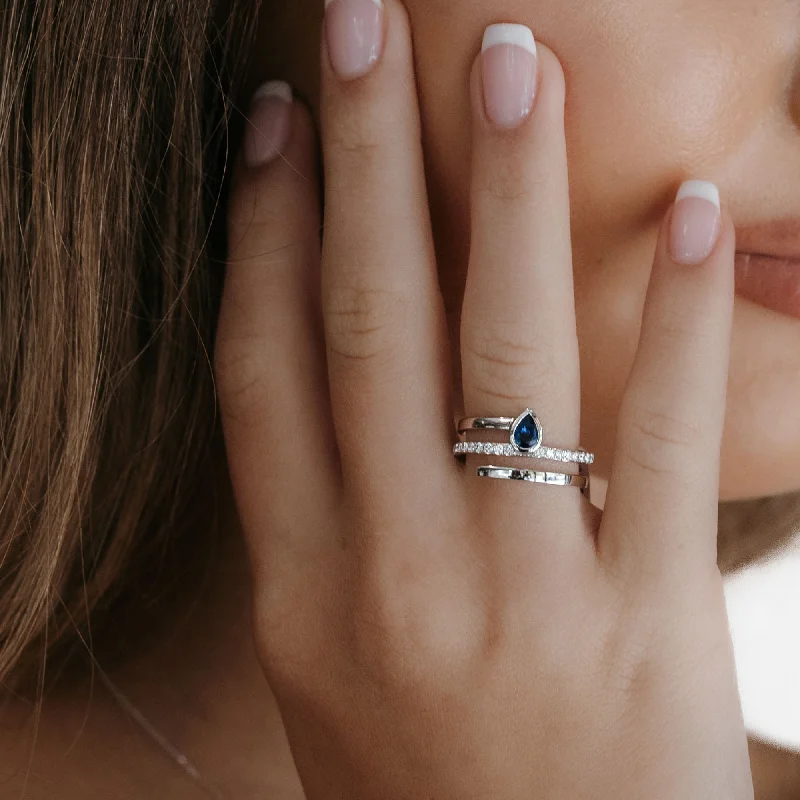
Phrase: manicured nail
(354, 29)
(696, 222)
(509, 67)
(269, 123)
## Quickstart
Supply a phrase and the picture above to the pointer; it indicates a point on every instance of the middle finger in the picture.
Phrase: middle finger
(518, 336)
(519, 343)
(384, 317)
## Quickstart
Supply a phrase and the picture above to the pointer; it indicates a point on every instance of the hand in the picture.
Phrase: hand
(429, 633)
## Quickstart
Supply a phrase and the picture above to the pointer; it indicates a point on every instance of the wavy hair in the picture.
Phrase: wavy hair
(113, 134)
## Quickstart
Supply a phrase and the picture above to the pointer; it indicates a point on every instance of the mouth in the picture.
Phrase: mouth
(768, 265)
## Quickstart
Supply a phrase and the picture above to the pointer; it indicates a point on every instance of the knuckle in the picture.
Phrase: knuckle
(678, 323)
(243, 206)
(356, 137)
(253, 198)
(266, 220)
(503, 364)
(252, 227)
(506, 183)
(410, 635)
(364, 324)
(659, 442)
(625, 667)
(241, 374)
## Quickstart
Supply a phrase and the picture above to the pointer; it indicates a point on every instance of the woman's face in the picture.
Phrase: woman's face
(657, 91)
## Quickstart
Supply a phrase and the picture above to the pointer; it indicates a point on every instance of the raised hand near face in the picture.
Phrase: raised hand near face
(430, 631)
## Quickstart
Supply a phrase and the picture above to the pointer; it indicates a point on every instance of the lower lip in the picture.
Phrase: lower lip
(771, 282)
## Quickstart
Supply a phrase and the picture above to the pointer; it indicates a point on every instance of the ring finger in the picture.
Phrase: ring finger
(518, 338)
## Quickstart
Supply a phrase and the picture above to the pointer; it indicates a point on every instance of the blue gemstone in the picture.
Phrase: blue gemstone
(526, 434)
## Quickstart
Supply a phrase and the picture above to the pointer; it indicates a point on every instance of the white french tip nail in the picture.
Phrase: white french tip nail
(506, 33)
(279, 89)
(705, 190)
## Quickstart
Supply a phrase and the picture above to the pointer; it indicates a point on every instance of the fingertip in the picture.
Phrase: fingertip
(363, 109)
(278, 126)
(697, 244)
(516, 79)
(361, 38)
(698, 229)
(281, 186)
(552, 73)
(268, 124)
(354, 36)
(727, 237)
(279, 146)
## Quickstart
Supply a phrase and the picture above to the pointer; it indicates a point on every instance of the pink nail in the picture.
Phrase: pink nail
(509, 67)
(354, 29)
(269, 123)
(696, 222)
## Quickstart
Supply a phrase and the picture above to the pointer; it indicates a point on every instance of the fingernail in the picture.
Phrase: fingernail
(696, 222)
(509, 67)
(269, 123)
(354, 29)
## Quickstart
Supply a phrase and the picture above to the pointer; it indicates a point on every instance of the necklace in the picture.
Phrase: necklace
(157, 737)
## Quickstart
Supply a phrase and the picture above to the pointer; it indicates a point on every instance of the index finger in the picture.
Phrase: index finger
(384, 317)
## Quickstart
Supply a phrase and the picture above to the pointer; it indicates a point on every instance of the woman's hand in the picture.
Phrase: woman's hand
(429, 633)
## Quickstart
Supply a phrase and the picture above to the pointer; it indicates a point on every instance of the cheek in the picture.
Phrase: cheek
(656, 92)
(643, 114)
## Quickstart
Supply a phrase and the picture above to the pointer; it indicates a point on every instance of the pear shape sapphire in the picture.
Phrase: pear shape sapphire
(526, 433)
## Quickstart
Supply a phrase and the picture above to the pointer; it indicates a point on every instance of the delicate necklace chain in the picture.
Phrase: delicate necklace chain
(158, 738)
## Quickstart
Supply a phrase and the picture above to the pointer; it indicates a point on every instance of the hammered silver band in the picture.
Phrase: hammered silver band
(532, 476)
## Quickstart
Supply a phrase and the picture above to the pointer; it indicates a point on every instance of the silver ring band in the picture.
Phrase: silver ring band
(525, 439)
(550, 478)
(485, 423)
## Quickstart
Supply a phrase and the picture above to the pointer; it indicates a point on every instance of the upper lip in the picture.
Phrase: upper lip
(778, 239)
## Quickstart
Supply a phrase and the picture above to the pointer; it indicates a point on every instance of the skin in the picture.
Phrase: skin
(400, 638)
(657, 91)
(618, 196)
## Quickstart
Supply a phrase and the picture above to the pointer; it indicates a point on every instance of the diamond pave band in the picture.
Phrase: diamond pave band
(546, 453)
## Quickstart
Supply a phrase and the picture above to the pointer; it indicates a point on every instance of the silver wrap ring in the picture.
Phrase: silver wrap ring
(526, 440)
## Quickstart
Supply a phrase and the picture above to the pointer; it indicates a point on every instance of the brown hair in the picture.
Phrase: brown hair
(114, 129)
(113, 138)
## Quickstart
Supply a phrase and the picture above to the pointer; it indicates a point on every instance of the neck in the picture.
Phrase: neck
(201, 686)
(196, 685)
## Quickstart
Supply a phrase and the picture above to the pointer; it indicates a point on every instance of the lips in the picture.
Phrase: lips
(768, 265)
(769, 281)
